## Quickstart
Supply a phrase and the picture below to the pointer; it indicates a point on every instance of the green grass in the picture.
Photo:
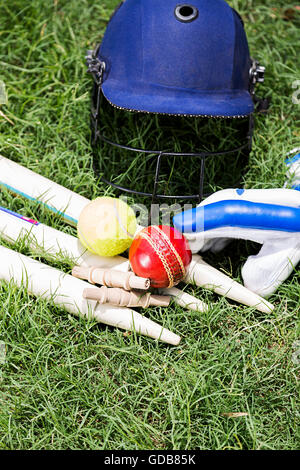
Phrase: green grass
(67, 383)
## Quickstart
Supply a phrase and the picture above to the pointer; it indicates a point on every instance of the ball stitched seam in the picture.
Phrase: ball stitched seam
(164, 261)
(171, 246)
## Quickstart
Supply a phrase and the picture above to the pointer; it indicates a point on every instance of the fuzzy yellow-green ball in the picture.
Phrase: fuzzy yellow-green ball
(106, 226)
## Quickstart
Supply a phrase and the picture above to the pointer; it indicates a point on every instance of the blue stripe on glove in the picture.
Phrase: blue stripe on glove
(243, 214)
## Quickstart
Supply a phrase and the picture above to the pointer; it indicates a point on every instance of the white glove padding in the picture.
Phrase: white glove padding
(265, 272)
(241, 214)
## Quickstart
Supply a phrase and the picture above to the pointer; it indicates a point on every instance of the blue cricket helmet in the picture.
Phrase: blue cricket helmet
(178, 59)
(165, 57)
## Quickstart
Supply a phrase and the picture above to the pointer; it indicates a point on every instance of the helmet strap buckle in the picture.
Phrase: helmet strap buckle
(257, 75)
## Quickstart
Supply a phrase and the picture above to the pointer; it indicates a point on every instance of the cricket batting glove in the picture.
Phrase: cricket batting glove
(276, 260)
(270, 217)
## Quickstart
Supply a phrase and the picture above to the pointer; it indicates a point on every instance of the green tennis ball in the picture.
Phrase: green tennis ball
(106, 226)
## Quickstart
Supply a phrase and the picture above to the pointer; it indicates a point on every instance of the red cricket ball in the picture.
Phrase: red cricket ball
(160, 253)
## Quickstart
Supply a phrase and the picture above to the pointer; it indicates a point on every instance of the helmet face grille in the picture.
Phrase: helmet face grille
(170, 158)
(186, 13)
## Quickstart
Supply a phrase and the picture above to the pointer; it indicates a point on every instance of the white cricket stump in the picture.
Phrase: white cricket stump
(66, 291)
(53, 242)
